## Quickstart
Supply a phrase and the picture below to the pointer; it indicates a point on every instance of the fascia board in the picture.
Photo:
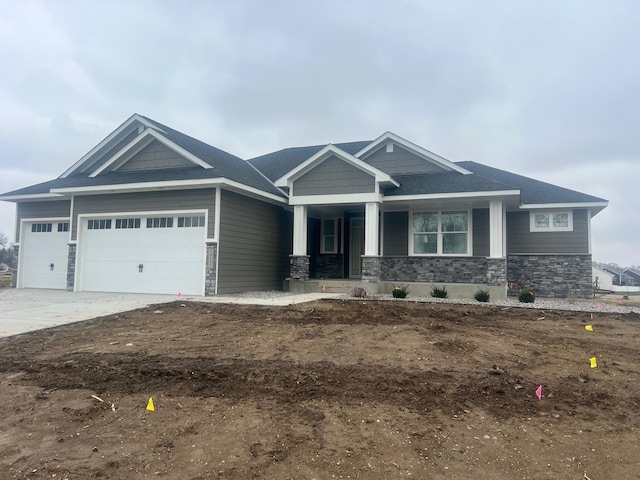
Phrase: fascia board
(449, 165)
(539, 206)
(318, 157)
(167, 185)
(439, 196)
(144, 137)
(342, 199)
(133, 118)
(33, 197)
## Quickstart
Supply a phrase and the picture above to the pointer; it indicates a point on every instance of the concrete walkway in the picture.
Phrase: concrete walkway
(26, 310)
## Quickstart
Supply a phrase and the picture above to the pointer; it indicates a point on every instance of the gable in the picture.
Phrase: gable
(334, 177)
(396, 160)
(153, 156)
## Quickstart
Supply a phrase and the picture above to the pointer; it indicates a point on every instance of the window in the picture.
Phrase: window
(104, 224)
(440, 233)
(329, 235)
(63, 227)
(160, 222)
(551, 221)
(41, 227)
(123, 223)
(191, 221)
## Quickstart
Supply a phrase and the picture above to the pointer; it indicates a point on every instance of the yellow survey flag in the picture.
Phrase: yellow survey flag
(588, 327)
(150, 406)
(594, 364)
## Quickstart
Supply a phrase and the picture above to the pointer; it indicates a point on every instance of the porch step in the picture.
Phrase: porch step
(343, 286)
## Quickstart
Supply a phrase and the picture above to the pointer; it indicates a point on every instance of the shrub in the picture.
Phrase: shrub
(439, 292)
(482, 295)
(358, 292)
(526, 296)
(400, 292)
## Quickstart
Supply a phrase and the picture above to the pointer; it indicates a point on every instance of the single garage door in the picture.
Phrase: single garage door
(44, 254)
(146, 254)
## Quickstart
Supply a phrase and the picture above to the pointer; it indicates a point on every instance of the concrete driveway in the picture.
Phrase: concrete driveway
(25, 310)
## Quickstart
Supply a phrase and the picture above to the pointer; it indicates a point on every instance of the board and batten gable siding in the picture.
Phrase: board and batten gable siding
(255, 243)
(400, 162)
(154, 156)
(396, 234)
(166, 200)
(334, 177)
(48, 209)
(521, 240)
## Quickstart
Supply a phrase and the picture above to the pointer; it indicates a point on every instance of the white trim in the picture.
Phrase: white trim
(589, 230)
(496, 229)
(169, 185)
(216, 235)
(438, 196)
(33, 196)
(71, 219)
(439, 233)
(371, 229)
(324, 154)
(140, 142)
(300, 230)
(539, 206)
(423, 152)
(133, 118)
(335, 199)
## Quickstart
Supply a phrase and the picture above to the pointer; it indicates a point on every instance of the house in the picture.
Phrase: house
(632, 276)
(152, 210)
(603, 279)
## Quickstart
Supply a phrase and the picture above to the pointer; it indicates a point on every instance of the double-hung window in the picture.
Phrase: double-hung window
(444, 232)
(329, 235)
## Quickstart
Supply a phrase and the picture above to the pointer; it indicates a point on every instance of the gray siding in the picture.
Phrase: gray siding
(400, 162)
(255, 244)
(396, 233)
(333, 177)
(521, 241)
(49, 209)
(481, 245)
(153, 156)
(197, 199)
(112, 147)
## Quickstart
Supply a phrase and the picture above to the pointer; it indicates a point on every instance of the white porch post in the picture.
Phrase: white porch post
(371, 229)
(300, 230)
(496, 229)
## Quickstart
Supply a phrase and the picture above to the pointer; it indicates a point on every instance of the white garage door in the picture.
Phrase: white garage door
(44, 254)
(143, 254)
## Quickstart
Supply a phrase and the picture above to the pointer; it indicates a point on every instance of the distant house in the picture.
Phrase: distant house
(633, 277)
(150, 209)
(603, 279)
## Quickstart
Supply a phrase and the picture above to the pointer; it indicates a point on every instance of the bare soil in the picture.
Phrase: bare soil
(332, 389)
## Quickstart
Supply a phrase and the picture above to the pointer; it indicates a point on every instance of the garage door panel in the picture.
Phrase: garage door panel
(144, 260)
(44, 257)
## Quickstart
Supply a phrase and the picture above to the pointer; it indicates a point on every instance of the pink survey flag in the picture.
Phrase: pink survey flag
(324, 288)
(619, 301)
(599, 306)
(539, 392)
(179, 294)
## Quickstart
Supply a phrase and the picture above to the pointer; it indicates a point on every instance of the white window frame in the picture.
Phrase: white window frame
(336, 231)
(439, 233)
(550, 228)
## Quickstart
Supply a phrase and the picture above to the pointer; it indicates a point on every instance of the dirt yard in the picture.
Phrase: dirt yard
(333, 389)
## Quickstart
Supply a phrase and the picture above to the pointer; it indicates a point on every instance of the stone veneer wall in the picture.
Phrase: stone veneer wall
(372, 269)
(434, 269)
(299, 267)
(558, 276)
(496, 272)
(14, 270)
(328, 266)
(71, 267)
(210, 270)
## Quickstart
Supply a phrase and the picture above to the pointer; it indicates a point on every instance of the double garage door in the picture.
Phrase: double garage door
(143, 254)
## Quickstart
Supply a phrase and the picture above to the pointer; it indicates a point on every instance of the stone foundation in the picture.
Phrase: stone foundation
(71, 267)
(435, 269)
(328, 266)
(299, 267)
(210, 270)
(497, 272)
(556, 276)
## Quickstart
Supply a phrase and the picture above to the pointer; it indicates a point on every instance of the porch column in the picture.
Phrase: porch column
(496, 229)
(299, 261)
(300, 230)
(371, 229)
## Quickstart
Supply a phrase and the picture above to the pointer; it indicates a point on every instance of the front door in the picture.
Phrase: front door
(356, 247)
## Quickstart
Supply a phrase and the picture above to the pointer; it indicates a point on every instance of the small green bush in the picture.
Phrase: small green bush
(526, 296)
(358, 292)
(439, 292)
(400, 292)
(482, 295)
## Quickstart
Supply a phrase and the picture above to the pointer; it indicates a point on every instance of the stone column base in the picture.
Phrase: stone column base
(71, 267)
(210, 269)
(299, 267)
(371, 268)
(497, 272)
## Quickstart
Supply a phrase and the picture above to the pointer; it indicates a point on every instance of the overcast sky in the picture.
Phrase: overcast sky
(546, 89)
